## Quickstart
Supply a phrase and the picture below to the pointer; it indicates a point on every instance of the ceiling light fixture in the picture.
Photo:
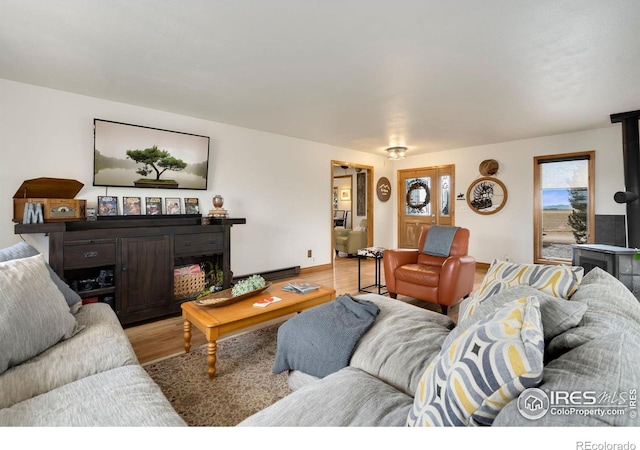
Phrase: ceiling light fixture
(397, 152)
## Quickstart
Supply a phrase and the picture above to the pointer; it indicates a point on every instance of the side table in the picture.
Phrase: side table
(377, 253)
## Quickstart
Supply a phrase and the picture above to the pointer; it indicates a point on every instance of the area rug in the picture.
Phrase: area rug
(243, 385)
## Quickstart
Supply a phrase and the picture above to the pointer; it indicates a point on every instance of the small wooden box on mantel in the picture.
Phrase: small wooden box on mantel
(56, 196)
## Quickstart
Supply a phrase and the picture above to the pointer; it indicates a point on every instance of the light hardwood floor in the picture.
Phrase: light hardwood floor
(163, 338)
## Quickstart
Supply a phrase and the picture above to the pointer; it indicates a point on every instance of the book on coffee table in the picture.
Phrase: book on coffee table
(266, 301)
(301, 287)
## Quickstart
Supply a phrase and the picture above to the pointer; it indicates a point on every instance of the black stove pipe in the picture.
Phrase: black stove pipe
(631, 158)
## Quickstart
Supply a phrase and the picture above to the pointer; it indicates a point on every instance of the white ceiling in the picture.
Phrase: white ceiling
(361, 74)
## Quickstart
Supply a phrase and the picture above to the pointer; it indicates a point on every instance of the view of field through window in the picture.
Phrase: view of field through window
(564, 207)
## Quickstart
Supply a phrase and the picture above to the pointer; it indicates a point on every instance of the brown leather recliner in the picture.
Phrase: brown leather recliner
(436, 279)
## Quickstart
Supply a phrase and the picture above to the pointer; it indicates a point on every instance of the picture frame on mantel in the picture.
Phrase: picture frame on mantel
(153, 206)
(107, 205)
(191, 205)
(131, 206)
(173, 205)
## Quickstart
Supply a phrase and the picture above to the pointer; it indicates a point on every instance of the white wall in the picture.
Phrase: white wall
(281, 185)
(510, 231)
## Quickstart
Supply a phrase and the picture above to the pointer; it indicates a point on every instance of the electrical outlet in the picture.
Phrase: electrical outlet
(309, 253)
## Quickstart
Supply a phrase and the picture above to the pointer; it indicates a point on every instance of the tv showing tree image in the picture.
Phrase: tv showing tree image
(128, 155)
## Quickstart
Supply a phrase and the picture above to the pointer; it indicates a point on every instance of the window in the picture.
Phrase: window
(418, 196)
(563, 205)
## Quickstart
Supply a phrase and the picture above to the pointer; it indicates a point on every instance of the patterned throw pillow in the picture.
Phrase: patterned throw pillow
(558, 281)
(558, 315)
(481, 368)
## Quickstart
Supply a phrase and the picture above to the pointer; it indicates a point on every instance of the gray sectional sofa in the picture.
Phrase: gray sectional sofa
(63, 364)
(527, 337)
(527, 340)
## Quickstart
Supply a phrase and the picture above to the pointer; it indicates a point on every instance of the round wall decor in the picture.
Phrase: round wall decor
(383, 189)
(486, 195)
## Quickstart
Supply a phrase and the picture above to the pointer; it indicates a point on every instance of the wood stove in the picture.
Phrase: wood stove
(618, 261)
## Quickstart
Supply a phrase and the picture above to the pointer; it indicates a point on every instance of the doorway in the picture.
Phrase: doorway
(343, 201)
(351, 191)
(425, 197)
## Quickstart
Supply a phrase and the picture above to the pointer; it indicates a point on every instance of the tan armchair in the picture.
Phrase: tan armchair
(349, 241)
(444, 280)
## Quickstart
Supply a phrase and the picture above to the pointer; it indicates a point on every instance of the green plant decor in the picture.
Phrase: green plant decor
(213, 278)
(247, 285)
(213, 274)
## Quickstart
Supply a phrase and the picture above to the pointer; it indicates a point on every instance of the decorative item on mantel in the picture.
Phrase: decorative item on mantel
(218, 212)
(42, 200)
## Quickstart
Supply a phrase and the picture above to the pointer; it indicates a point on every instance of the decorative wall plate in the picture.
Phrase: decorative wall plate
(486, 195)
(383, 189)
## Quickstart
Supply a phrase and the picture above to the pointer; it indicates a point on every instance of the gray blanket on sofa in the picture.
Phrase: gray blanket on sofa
(321, 340)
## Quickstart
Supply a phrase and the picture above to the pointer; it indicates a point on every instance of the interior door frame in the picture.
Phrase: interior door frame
(370, 193)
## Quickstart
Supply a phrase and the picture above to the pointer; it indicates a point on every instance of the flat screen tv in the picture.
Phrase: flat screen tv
(128, 155)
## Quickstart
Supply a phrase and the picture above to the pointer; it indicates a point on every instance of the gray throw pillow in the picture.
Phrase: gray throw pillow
(33, 313)
(558, 315)
(608, 367)
(24, 250)
(611, 307)
(557, 281)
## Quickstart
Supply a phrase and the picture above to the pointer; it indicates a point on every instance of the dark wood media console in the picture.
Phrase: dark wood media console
(141, 252)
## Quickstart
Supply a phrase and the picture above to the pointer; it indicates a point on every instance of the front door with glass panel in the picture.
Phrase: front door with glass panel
(424, 198)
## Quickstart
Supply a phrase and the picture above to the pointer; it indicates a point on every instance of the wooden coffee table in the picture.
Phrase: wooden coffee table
(216, 322)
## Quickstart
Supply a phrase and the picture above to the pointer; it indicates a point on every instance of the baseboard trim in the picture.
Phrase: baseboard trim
(295, 271)
(316, 268)
(272, 275)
